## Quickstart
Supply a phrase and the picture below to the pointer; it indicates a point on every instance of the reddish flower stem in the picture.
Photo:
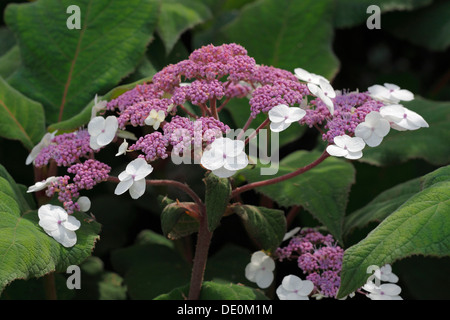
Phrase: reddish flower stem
(287, 176)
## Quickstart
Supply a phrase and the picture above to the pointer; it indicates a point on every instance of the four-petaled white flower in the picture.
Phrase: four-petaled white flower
(385, 274)
(102, 131)
(155, 118)
(41, 185)
(390, 93)
(224, 157)
(84, 203)
(58, 224)
(387, 291)
(45, 142)
(319, 86)
(281, 117)
(98, 106)
(133, 178)
(260, 269)
(346, 146)
(373, 129)
(402, 118)
(123, 148)
(294, 288)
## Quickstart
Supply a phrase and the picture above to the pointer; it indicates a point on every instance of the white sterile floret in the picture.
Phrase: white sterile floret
(41, 185)
(294, 288)
(260, 269)
(385, 274)
(102, 131)
(390, 93)
(155, 118)
(373, 129)
(224, 157)
(319, 86)
(281, 117)
(84, 203)
(133, 178)
(98, 106)
(291, 233)
(123, 148)
(58, 224)
(387, 291)
(45, 142)
(401, 118)
(346, 146)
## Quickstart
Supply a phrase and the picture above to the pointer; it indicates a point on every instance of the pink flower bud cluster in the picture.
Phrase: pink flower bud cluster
(318, 257)
(65, 149)
(153, 145)
(87, 175)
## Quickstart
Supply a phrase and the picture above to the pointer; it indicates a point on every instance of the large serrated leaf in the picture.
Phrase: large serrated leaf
(20, 117)
(64, 68)
(421, 226)
(26, 251)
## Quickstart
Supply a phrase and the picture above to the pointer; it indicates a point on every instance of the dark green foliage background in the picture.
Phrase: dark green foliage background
(338, 45)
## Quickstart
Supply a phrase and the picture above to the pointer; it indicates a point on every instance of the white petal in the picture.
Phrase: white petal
(373, 140)
(124, 175)
(391, 86)
(93, 143)
(279, 113)
(291, 233)
(71, 223)
(48, 223)
(393, 112)
(342, 141)
(302, 74)
(233, 147)
(306, 288)
(295, 114)
(133, 167)
(282, 293)
(354, 155)
(291, 282)
(122, 148)
(403, 94)
(268, 264)
(212, 159)
(137, 189)
(314, 89)
(250, 271)
(84, 203)
(416, 119)
(379, 92)
(355, 144)
(160, 116)
(143, 171)
(67, 238)
(258, 257)
(383, 128)
(96, 125)
(364, 130)
(123, 186)
(327, 89)
(390, 289)
(236, 163)
(279, 126)
(336, 151)
(264, 278)
(223, 173)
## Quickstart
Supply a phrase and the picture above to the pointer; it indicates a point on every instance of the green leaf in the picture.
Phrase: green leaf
(176, 222)
(323, 190)
(217, 197)
(266, 227)
(178, 16)
(421, 226)
(26, 251)
(10, 62)
(64, 68)
(216, 291)
(150, 270)
(388, 201)
(428, 27)
(287, 34)
(350, 13)
(430, 144)
(84, 116)
(20, 117)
